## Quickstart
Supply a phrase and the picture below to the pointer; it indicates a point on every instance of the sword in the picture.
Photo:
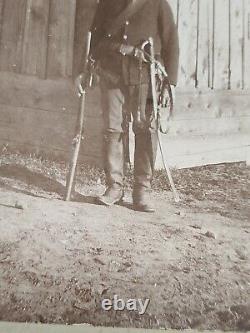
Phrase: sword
(153, 72)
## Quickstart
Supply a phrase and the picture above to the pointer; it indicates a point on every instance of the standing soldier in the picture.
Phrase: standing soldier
(119, 29)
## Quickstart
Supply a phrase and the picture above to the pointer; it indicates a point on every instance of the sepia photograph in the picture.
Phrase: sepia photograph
(124, 165)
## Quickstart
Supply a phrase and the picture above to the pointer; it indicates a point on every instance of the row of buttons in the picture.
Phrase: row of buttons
(125, 37)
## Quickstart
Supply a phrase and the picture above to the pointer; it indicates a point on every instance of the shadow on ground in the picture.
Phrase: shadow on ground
(31, 179)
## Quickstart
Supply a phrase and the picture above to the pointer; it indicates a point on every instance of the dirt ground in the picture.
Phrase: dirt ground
(59, 260)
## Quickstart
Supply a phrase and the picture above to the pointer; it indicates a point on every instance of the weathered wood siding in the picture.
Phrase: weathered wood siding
(37, 38)
(42, 42)
(214, 39)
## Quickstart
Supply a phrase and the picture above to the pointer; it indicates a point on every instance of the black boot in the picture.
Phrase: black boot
(114, 169)
(113, 194)
(145, 155)
(141, 200)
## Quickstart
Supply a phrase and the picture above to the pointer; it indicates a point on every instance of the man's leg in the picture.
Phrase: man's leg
(113, 100)
(145, 153)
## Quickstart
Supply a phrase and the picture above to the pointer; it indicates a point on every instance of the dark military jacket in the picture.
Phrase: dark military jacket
(154, 19)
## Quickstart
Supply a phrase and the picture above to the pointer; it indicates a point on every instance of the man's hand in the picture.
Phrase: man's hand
(79, 82)
(164, 98)
(173, 93)
(83, 80)
(165, 111)
(126, 50)
(129, 50)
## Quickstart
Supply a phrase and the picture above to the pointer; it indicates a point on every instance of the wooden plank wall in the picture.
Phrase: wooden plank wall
(214, 43)
(42, 43)
(37, 38)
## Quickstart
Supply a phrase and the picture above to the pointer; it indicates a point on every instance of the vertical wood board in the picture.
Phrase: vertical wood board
(1, 16)
(236, 43)
(71, 37)
(36, 38)
(247, 45)
(60, 50)
(188, 43)
(221, 44)
(12, 35)
(204, 46)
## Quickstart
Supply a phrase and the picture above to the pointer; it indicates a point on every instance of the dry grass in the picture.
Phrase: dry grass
(224, 188)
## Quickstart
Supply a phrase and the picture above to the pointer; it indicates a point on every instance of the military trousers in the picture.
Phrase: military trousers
(122, 102)
(133, 102)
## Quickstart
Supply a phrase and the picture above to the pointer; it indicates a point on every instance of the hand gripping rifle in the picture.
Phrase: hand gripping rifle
(156, 68)
(87, 82)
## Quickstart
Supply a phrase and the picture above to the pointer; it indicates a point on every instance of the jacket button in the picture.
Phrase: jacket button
(109, 35)
(125, 37)
(127, 22)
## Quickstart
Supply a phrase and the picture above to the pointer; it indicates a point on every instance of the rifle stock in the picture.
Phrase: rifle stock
(76, 143)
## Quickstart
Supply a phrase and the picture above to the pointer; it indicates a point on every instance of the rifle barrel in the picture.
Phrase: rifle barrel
(79, 128)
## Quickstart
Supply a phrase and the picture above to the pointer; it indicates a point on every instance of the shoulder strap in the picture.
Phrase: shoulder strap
(126, 14)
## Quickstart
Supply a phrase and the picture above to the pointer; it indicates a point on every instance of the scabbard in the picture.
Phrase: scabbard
(126, 148)
(125, 138)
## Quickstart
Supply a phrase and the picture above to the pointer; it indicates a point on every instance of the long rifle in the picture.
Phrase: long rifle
(76, 143)
(154, 65)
